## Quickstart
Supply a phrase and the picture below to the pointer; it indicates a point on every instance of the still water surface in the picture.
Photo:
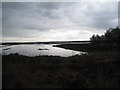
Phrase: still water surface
(38, 50)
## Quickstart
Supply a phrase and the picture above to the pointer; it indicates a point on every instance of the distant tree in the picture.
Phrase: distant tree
(96, 38)
(112, 35)
(93, 38)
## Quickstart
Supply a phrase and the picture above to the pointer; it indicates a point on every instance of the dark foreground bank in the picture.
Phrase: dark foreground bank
(95, 70)
(92, 47)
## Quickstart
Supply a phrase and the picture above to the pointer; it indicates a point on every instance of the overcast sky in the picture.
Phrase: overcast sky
(56, 21)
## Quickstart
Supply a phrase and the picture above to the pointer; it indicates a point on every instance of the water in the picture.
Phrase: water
(33, 50)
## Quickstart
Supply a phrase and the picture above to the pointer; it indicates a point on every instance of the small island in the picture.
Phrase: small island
(43, 49)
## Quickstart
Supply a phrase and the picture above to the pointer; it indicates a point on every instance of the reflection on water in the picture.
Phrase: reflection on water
(39, 49)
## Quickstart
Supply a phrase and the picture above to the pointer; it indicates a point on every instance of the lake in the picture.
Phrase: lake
(32, 50)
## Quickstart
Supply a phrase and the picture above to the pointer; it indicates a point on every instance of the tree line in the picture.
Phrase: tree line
(111, 36)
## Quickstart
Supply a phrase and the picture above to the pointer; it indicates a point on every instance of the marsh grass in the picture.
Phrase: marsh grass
(93, 70)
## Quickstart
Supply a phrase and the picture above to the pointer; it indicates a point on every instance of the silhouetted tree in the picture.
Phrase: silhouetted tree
(112, 36)
(93, 38)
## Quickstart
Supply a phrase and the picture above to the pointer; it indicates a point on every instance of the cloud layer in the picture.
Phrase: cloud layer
(51, 21)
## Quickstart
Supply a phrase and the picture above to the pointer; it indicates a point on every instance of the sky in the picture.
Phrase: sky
(56, 21)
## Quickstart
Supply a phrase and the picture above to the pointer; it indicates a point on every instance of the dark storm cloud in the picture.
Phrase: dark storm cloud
(104, 16)
(48, 5)
(26, 19)
(27, 16)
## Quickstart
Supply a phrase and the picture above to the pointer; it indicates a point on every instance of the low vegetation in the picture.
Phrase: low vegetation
(86, 71)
